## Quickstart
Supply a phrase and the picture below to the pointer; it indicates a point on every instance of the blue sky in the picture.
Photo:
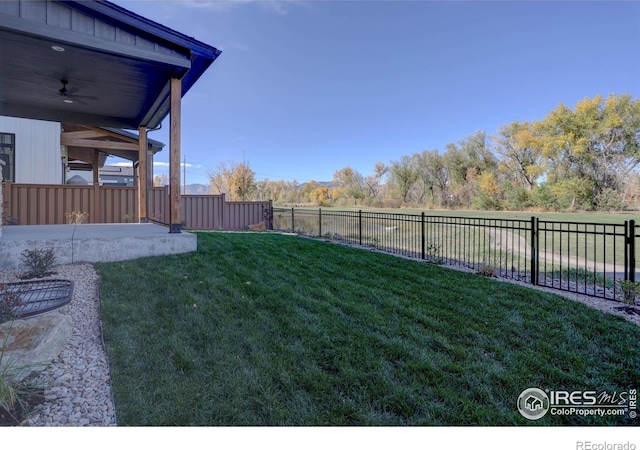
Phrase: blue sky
(305, 88)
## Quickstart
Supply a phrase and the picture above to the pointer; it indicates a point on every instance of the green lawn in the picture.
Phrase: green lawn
(266, 329)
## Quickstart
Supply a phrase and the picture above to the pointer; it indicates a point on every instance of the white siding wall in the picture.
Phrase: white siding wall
(38, 157)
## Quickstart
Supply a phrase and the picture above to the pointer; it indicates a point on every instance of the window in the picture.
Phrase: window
(8, 155)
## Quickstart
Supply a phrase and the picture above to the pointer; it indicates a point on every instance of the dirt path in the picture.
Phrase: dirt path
(508, 241)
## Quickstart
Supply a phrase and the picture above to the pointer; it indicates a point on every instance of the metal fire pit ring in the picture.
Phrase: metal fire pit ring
(40, 296)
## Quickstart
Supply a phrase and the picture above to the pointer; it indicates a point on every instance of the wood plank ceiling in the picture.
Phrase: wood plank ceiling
(117, 65)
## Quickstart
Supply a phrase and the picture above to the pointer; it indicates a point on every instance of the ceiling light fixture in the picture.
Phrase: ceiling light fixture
(66, 100)
(57, 48)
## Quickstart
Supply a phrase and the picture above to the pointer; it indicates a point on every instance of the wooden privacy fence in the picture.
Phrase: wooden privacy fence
(46, 204)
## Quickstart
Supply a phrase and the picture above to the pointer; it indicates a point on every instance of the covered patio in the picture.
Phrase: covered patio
(117, 70)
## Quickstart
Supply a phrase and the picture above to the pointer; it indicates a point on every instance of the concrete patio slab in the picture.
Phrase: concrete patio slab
(92, 242)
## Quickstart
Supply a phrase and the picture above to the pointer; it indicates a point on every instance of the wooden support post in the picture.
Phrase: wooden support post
(175, 225)
(142, 175)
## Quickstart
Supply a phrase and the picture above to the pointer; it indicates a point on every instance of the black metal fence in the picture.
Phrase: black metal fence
(580, 257)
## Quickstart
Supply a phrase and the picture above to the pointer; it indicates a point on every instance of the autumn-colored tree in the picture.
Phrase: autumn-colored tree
(320, 196)
(307, 192)
(161, 180)
(237, 180)
(596, 145)
(466, 161)
(489, 192)
(521, 151)
(242, 183)
(582, 157)
(351, 184)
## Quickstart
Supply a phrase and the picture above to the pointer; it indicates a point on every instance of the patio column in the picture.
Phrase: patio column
(175, 225)
(142, 175)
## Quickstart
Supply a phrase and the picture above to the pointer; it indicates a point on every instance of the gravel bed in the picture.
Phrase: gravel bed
(77, 384)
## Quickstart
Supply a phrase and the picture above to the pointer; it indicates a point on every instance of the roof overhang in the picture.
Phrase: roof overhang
(118, 65)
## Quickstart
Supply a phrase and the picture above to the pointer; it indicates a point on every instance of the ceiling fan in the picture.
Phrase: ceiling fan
(70, 94)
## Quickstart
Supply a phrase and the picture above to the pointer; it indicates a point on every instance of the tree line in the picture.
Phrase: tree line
(586, 158)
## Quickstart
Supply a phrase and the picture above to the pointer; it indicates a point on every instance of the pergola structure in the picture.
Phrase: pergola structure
(89, 146)
(94, 63)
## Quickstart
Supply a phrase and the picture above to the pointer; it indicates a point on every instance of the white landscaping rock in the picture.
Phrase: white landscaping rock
(78, 388)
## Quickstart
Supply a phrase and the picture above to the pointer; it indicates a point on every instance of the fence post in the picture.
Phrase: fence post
(293, 227)
(632, 250)
(360, 226)
(319, 222)
(422, 234)
(626, 250)
(534, 250)
(223, 213)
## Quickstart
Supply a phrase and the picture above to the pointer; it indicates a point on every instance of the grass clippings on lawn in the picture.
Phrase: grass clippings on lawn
(266, 329)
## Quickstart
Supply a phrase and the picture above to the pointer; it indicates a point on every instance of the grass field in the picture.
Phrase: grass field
(267, 329)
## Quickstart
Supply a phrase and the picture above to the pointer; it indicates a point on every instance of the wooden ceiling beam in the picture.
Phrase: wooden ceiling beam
(84, 134)
(90, 143)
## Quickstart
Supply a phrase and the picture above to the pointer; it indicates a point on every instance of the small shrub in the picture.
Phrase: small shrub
(628, 290)
(10, 301)
(16, 397)
(6, 218)
(432, 251)
(257, 227)
(487, 269)
(38, 262)
(76, 217)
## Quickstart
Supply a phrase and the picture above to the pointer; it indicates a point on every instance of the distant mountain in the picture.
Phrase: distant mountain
(329, 184)
(197, 189)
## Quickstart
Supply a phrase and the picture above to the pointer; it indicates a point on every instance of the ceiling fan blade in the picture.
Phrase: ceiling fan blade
(77, 100)
(70, 91)
(86, 97)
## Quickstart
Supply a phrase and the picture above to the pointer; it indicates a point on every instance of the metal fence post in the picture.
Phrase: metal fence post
(534, 250)
(319, 222)
(626, 250)
(632, 251)
(293, 227)
(360, 226)
(271, 215)
(422, 233)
